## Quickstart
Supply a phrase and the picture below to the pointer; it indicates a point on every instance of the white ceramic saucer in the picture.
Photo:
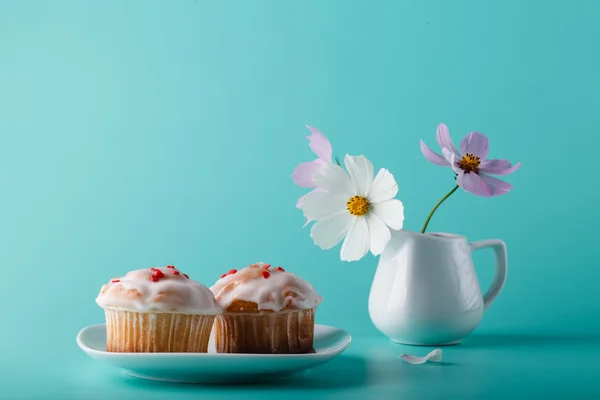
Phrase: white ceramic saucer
(213, 367)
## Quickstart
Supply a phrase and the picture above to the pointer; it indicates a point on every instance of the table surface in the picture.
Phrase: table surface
(483, 366)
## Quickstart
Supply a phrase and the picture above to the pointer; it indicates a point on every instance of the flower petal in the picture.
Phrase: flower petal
(303, 173)
(443, 138)
(301, 201)
(391, 212)
(384, 187)
(498, 167)
(497, 186)
(451, 158)
(475, 143)
(432, 156)
(330, 231)
(321, 205)
(361, 172)
(334, 179)
(357, 242)
(472, 183)
(319, 144)
(379, 234)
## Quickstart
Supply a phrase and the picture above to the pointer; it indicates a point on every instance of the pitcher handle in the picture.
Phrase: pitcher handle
(501, 268)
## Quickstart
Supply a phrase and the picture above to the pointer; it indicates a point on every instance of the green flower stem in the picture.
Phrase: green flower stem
(436, 207)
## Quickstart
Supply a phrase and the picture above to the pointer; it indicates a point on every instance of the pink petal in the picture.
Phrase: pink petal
(475, 143)
(303, 173)
(319, 144)
(451, 158)
(497, 186)
(498, 167)
(444, 140)
(473, 184)
(433, 156)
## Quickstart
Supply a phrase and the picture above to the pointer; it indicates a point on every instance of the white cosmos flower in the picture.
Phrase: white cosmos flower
(353, 206)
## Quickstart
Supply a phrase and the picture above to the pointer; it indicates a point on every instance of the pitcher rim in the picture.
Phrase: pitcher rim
(436, 235)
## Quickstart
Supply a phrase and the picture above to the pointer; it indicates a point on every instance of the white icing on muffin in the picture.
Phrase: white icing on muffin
(158, 290)
(271, 289)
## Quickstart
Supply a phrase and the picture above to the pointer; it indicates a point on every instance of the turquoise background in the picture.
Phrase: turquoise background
(144, 133)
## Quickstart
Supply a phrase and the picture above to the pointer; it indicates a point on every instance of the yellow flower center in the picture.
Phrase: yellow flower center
(358, 206)
(469, 163)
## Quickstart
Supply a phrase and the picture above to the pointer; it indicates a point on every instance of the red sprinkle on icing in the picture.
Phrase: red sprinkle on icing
(265, 274)
(170, 266)
(115, 280)
(153, 269)
(159, 274)
(231, 271)
(175, 272)
(154, 278)
(223, 276)
(267, 266)
(186, 276)
(280, 269)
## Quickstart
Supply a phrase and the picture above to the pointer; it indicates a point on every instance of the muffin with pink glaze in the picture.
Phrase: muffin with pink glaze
(156, 310)
(266, 310)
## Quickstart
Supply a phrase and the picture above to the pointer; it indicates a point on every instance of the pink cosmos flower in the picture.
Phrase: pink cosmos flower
(303, 173)
(472, 168)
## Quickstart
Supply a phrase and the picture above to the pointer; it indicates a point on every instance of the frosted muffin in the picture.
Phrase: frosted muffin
(266, 310)
(157, 310)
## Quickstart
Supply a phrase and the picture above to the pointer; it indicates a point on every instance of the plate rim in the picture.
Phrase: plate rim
(329, 351)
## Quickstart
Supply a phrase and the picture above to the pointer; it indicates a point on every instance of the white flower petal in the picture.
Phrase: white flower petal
(330, 231)
(334, 179)
(361, 172)
(356, 244)
(379, 234)
(391, 212)
(301, 201)
(384, 187)
(318, 205)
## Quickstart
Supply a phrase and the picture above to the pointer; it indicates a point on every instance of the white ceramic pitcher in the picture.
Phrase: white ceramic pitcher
(425, 290)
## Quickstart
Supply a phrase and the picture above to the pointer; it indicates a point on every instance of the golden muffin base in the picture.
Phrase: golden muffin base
(265, 332)
(131, 332)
